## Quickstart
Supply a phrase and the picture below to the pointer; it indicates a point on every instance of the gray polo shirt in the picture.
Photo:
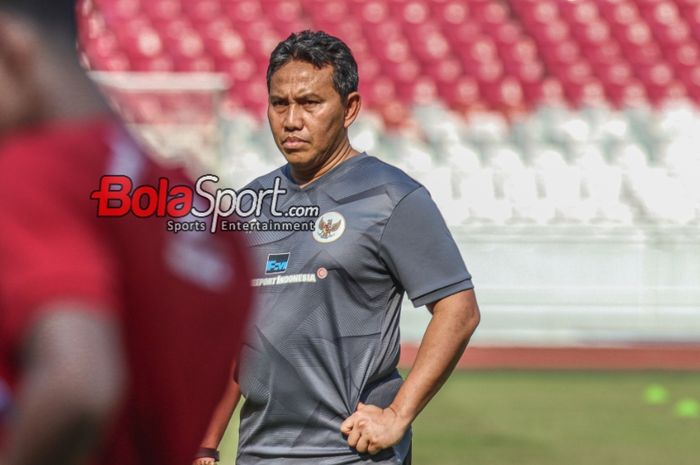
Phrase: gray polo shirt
(326, 332)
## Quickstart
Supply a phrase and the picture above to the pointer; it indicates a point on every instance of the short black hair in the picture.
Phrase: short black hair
(55, 16)
(319, 49)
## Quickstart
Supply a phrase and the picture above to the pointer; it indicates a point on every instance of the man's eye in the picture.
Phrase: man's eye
(311, 103)
(278, 103)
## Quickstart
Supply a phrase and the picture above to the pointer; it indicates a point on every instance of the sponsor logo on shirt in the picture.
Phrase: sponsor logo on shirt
(329, 227)
(288, 279)
(277, 263)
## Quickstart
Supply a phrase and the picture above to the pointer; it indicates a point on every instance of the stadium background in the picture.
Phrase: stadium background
(559, 138)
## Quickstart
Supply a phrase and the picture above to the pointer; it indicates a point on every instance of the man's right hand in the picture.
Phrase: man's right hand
(204, 461)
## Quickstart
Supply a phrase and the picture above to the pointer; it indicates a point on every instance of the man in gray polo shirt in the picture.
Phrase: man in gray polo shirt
(319, 368)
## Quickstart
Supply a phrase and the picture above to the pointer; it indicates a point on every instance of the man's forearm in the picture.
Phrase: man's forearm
(454, 320)
(221, 416)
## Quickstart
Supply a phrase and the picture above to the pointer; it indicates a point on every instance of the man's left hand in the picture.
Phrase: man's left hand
(372, 429)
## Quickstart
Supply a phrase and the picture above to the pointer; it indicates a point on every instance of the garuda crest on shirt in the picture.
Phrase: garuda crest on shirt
(329, 227)
(326, 228)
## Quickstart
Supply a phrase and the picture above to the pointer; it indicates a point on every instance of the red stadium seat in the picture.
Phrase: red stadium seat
(91, 27)
(691, 79)
(373, 11)
(658, 94)
(581, 12)
(349, 30)
(594, 33)
(522, 51)
(432, 48)
(528, 72)
(488, 13)
(285, 15)
(480, 50)
(631, 94)
(102, 47)
(162, 10)
(574, 73)
(552, 32)
(655, 75)
(394, 51)
(660, 12)
(549, 91)
(225, 46)
(202, 11)
(255, 96)
(588, 93)
(173, 29)
(485, 72)
(672, 35)
(241, 69)
(504, 94)
(116, 61)
(635, 34)
(540, 12)
(464, 94)
(645, 55)
(369, 68)
(384, 32)
(451, 12)
(396, 115)
(684, 57)
(422, 90)
(563, 53)
(618, 73)
(462, 34)
(505, 35)
(328, 12)
(118, 11)
(188, 45)
(378, 91)
(242, 11)
(619, 12)
(145, 43)
(411, 12)
(402, 72)
(605, 53)
(161, 63)
(200, 64)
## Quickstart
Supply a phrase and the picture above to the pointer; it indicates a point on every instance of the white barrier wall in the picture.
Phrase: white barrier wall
(573, 285)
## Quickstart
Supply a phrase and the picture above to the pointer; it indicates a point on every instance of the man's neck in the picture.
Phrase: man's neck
(344, 153)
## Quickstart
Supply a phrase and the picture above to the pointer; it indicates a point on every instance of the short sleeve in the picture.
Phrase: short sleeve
(50, 246)
(420, 252)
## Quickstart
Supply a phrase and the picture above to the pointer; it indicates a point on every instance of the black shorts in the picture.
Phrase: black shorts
(407, 460)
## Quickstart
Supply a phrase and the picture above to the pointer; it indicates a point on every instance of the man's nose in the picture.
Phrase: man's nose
(293, 120)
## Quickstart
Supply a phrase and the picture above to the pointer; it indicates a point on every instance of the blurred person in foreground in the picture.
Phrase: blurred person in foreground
(116, 336)
(318, 370)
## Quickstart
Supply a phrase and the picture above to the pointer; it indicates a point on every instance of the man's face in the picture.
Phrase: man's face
(306, 114)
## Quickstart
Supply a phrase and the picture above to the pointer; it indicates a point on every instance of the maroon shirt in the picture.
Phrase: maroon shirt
(182, 299)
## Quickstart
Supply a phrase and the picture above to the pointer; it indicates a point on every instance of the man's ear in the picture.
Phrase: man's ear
(19, 55)
(352, 108)
(19, 45)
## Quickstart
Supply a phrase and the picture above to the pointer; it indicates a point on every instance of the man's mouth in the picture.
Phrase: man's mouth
(293, 142)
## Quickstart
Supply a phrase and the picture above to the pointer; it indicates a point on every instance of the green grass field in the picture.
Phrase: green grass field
(552, 418)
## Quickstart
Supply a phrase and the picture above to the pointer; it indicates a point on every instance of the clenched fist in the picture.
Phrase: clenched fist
(372, 429)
